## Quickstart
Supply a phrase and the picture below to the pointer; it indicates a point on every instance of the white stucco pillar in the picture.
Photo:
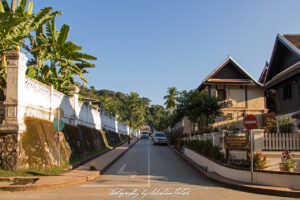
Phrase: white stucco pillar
(74, 95)
(258, 138)
(14, 105)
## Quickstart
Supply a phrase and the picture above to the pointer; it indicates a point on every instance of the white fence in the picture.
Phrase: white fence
(281, 141)
(262, 141)
(216, 138)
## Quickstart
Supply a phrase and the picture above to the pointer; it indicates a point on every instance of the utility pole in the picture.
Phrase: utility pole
(131, 122)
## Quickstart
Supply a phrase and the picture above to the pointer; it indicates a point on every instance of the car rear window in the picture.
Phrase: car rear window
(159, 135)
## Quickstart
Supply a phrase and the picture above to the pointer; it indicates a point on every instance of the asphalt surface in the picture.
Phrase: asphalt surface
(144, 172)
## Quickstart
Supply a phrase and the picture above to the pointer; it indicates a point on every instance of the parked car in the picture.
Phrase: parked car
(144, 135)
(159, 138)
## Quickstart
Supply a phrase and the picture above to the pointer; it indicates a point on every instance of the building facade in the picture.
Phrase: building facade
(281, 78)
(240, 93)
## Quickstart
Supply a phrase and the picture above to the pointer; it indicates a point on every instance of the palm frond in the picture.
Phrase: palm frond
(30, 8)
(63, 34)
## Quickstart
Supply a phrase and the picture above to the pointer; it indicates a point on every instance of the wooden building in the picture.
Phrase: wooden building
(281, 78)
(240, 92)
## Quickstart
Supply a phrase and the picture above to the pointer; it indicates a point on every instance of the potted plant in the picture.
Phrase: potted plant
(259, 161)
(288, 164)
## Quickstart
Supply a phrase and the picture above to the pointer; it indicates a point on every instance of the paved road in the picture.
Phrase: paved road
(144, 172)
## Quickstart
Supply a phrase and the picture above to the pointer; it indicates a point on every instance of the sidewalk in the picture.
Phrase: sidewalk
(268, 190)
(79, 175)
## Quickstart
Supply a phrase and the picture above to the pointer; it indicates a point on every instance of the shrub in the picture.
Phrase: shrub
(288, 163)
(232, 128)
(270, 125)
(259, 161)
(285, 125)
(239, 163)
(92, 166)
(206, 148)
(179, 143)
(216, 154)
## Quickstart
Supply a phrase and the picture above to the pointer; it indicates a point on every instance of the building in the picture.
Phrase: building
(184, 126)
(281, 78)
(241, 94)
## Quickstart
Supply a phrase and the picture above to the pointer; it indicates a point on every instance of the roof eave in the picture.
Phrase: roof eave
(286, 43)
(277, 79)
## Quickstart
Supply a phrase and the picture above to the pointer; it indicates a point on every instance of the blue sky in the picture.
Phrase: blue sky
(147, 46)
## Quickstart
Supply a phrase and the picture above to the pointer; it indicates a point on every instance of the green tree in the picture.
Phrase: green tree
(156, 117)
(199, 107)
(119, 104)
(136, 110)
(55, 60)
(171, 98)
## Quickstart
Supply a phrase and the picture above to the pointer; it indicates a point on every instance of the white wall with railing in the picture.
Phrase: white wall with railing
(27, 97)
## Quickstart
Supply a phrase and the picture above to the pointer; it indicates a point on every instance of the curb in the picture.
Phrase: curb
(243, 187)
(81, 180)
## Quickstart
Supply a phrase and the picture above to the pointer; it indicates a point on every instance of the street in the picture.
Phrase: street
(144, 172)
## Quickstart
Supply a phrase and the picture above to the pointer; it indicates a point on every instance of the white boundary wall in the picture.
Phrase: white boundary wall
(27, 97)
(259, 178)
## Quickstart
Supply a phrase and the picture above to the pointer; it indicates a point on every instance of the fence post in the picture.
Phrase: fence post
(213, 139)
(223, 141)
(258, 138)
(14, 105)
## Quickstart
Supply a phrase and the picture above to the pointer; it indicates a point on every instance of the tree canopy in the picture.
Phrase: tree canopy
(199, 107)
(171, 98)
(122, 106)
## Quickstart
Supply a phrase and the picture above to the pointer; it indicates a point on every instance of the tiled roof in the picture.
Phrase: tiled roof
(293, 38)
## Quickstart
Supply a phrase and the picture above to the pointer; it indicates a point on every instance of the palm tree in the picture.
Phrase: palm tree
(56, 60)
(136, 110)
(171, 98)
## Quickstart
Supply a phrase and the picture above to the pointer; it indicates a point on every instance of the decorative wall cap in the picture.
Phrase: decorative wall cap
(15, 55)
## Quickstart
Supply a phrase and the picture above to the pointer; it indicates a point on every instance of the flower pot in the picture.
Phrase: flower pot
(286, 170)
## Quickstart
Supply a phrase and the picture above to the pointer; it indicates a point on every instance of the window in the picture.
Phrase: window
(287, 92)
(222, 94)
